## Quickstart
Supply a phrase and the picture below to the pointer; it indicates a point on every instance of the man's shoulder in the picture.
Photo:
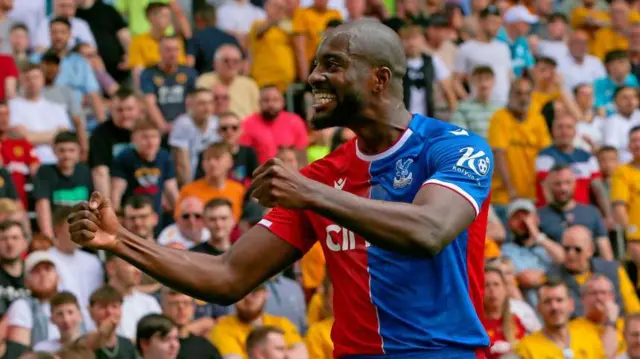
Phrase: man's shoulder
(235, 186)
(276, 321)
(436, 133)
(334, 162)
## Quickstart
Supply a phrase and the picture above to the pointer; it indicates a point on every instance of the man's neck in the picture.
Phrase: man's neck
(216, 182)
(66, 338)
(564, 207)
(375, 137)
(168, 68)
(14, 268)
(221, 244)
(492, 313)
(33, 97)
(149, 157)
(157, 33)
(124, 290)
(234, 149)
(565, 148)
(598, 318)
(560, 336)
(625, 114)
(67, 171)
(226, 80)
(578, 59)
(112, 341)
(434, 45)
(63, 250)
(483, 98)
(202, 123)
(62, 53)
(618, 79)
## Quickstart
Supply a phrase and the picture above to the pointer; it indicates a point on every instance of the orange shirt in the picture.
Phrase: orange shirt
(232, 190)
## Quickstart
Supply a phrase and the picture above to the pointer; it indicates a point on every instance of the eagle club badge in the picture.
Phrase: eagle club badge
(403, 176)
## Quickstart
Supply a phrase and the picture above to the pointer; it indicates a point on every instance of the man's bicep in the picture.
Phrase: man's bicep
(452, 208)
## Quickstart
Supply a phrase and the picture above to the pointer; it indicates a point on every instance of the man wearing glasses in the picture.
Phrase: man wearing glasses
(189, 229)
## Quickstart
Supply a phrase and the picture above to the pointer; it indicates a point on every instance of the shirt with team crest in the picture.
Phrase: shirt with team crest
(170, 89)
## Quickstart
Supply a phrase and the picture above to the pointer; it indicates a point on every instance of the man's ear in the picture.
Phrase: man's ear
(382, 79)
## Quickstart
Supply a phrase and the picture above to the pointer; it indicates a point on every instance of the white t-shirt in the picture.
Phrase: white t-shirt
(39, 116)
(592, 129)
(172, 234)
(556, 50)
(69, 266)
(238, 16)
(417, 101)
(19, 315)
(494, 54)
(186, 135)
(134, 307)
(616, 133)
(80, 34)
(575, 74)
(48, 346)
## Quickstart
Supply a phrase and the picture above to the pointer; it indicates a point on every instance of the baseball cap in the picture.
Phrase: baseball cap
(519, 13)
(520, 204)
(35, 258)
(489, 10)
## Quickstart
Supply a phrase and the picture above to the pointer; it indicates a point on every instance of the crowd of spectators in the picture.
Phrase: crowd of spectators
(168, 106)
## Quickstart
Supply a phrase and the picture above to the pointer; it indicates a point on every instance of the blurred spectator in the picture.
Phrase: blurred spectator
(13, 243)
(555, 46)
(180, 308)
(112, 137)
(40, 242)
(485, 50)
(613, 37)
(30, 317)
(577, 66)
(273, 61)
(206, 41)
(475, 112)
(531, 251)
(189, 228)
(29, 13)
(221, 99)
(471, 22)
(243, 91)
(548, 87)
(75, 71)
(166, 85)
(423, 71)
(63, 95)
(634, 50)
(437, 42)
(230, 334)
(62, 184)
(618, 75)
(124, 277)
(193, 133)
(66, 316)
(559, 339)
(75, 351)
(108, 84)
(518, 21)
(80, 30)
(144, 169)
(273, 127)
(308, 25)
(617, 129)
(631, 337)
(144, 49)
(219, 222)
(318, 339)
(139, 216)
(71, 260)
(564, 211)
(111, 34)
(540, 29)
(584, 166)
(137, 14)
(268, 342)
(589, 15)
(7, 188)
(20, 45)
(157, 338)
(286, 299)
(626, 202)
(26, 115)
(516, 135)
(236, 17)
(590, 126)
(504, 328)
(105, 307)
(601, 313)
(579, 264)
(608, 162)
(10, 349)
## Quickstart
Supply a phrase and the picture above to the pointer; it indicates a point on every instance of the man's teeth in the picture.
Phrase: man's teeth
(323, 98)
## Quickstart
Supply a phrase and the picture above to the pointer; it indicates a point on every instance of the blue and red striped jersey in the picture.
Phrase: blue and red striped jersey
(386, 303)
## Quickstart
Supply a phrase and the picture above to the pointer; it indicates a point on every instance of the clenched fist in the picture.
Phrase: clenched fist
(275, 184)
(94, 224)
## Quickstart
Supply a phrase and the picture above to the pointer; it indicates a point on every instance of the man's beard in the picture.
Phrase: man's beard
(344, 113)
(7, 261)
(246, 316)
(270, 115)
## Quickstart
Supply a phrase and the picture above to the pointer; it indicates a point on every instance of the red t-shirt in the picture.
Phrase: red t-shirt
(266, 137)
(17, 157)
(8, 68)
(496, 335)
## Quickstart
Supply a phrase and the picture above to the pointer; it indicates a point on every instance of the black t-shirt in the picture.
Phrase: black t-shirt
(105, 23)
(197, 347)
(14, 350)
(124, 348)
(61, 190)
(244, 163)
(7, 188)
(11, 288)
(107, 142)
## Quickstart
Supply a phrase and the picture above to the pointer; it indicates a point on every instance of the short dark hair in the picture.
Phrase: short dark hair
(144, 124)
(138, 201)
(64, 298)
(558, 16)
(553, 283)
(60, 20)
(218, 202)
(634, 129)
(259, 335)
(546, 60)
(66, 137)
(619, 89)
(207, 13)
(105, 294)
(43, 355)
(31, 67)
(604, 149)
(616, 55)
(579, 87)
(482, 70)
(19, 26)
(216, 149)
(150, 325)
(124, 93)
(561, 166)
(8, 224)
(153, 7)
(61, 214)
(50, 57)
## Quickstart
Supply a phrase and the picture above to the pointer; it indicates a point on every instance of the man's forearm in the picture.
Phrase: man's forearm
(98, 106)
(43, 210)
(100, 175)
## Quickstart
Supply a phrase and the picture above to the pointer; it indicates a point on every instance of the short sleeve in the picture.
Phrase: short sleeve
(619, 187)
(498, 135)
(463, 163)
(169, 168)
(180, 135)
(291, 334)
(19, 314)
(599, 91)
(224, 337)
(118, 167)
(146, 82)
(440, 68)
(292, 226)
(11, 68)
(90, 84)
(599, 228)
(136, 58)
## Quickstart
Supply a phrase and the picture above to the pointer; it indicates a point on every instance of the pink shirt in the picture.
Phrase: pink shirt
(266, 137)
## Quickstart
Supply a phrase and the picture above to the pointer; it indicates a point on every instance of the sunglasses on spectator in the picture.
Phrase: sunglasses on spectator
(229, 128)
(572, 248)
(186, 216)
(231, 61)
